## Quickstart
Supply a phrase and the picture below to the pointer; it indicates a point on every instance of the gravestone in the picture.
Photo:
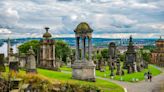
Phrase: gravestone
(102, 66)
(13, 61)
(129, 69)
(31, 62)
(134, 67)
(68, 61)
(22, 60)
(118, 72)
(112, 68)
(2, 66)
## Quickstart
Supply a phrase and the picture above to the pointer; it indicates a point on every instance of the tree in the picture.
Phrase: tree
(23, 48)
(145, 54)
(62, 49)
(105, 54)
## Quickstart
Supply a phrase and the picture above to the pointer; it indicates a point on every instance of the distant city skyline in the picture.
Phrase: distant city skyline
(108, 18)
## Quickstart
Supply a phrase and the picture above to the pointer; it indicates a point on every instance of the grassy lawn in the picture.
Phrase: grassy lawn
(126, 77)
(105, 85)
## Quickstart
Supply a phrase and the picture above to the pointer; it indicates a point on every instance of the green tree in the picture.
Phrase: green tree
(62, 50)
(145, 54)
(23, 48)
(104, 53)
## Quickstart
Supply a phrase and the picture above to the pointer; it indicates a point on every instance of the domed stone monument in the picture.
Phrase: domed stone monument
(83, 68)
(47, 52)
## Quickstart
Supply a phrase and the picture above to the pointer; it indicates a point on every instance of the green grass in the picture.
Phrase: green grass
(126, 77)
(105, 85)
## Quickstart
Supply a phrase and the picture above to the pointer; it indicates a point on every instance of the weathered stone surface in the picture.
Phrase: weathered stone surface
(22, 60)
(84, 71)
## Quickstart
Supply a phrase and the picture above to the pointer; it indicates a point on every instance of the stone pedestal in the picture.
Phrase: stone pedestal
(84, 71)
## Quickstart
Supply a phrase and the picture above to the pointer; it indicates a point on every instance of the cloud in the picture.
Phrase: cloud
(111, 17)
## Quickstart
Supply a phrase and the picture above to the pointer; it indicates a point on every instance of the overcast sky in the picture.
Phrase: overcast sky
(108, 18)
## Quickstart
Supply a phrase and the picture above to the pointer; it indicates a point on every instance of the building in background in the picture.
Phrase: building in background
(157, 56)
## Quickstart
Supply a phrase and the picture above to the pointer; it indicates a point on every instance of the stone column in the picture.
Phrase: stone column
(54, 63)
(89, 49)
(77, 48)
(82, 49)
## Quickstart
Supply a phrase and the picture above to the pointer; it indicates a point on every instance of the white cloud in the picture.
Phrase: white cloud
(119, 17)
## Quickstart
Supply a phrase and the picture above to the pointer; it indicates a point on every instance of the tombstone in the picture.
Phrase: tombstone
(129, 69)
(102, 65)
(31, 62)
(112, 50)
(112, 68)
(83, 68)
(58, 64)
(134, 67)
(68, 61)
(22, 60)
(13, 61)
(118, 72)
(2, 66)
